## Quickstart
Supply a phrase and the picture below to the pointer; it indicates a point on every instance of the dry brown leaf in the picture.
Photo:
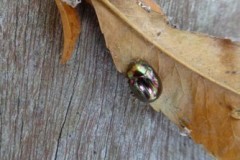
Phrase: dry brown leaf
(71, 29)
(200, 74)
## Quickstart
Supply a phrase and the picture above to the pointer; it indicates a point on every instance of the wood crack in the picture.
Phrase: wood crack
(62, 126)
(65, 116)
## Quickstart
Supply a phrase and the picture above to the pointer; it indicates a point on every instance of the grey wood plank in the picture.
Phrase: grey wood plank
(81, 110)
(217, 18)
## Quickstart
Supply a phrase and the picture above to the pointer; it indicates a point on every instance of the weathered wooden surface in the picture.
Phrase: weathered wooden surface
(218, 18)
(82, 110)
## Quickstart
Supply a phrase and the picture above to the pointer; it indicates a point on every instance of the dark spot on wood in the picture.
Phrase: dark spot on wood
(174, 26)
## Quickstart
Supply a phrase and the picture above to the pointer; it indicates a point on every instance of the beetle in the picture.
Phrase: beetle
(143, 81)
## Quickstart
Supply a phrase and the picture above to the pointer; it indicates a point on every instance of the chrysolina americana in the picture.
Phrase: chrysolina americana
(143, 81)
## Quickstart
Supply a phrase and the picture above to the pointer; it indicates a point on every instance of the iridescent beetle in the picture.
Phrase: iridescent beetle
(144, 81)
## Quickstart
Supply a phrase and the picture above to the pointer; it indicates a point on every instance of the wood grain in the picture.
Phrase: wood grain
(82, 110)
(217, 18)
